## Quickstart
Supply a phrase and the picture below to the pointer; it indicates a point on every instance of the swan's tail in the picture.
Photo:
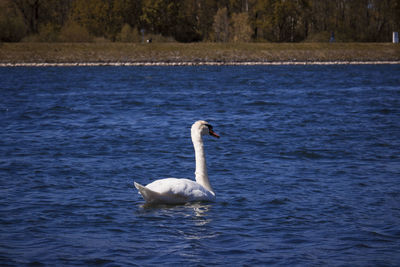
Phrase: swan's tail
(148, 195)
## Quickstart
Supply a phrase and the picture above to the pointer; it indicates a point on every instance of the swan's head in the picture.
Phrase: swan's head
(203, 128)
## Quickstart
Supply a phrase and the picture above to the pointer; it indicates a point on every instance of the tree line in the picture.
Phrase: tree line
(198, 20)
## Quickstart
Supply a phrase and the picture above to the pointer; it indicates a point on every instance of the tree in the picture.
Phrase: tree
(101, 18)
(30, 12)
(263, 20)
(12, 26)
(158, 16)
(241, 30)
(205, 19)
(131, 12)
(187, 27)
(195, 20)
(42, 12)
(221, 25)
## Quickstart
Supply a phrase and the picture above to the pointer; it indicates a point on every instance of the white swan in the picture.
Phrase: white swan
(179, 191)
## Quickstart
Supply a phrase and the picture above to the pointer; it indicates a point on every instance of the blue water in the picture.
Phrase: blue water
(306, 172)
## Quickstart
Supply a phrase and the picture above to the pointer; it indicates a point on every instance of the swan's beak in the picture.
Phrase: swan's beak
(212, 133)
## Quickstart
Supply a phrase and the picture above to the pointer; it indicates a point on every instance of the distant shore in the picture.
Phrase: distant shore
(195, 54)
(127, 64)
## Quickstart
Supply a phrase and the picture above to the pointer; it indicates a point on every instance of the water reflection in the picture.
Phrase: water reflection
(200, 217)
(191, 221)
(200, 213)
(196, 210)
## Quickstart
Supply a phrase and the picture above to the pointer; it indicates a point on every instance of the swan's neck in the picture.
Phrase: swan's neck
(201, 167)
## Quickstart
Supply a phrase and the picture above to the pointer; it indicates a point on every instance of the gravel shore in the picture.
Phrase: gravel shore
(118, 64)
(178, 54)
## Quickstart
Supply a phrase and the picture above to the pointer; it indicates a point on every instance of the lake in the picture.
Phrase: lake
(306, 172)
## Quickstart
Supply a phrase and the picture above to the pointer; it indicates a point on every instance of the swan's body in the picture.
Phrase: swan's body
(176, 191)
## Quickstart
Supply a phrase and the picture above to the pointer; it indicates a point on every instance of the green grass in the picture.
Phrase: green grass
(195, 52)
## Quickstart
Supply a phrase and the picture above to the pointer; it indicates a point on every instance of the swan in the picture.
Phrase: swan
(180, 191)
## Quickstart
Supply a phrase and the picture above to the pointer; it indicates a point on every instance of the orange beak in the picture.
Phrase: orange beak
(212, 133)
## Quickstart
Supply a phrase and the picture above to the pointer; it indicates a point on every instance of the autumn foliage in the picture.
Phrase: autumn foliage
(198, 20)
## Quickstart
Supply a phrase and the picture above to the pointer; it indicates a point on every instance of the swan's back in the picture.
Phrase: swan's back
(174, 191)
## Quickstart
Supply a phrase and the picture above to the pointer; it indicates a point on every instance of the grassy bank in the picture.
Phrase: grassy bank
(195, 52)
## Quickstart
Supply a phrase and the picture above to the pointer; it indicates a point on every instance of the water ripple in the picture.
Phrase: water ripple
(305, 170)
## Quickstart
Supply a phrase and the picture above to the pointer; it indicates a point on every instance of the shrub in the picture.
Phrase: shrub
(48, 33)
(73, 32)
(129, 34)
(319, 37)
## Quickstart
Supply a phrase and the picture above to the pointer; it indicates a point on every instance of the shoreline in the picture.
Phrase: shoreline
(195, 54)
(196, 63)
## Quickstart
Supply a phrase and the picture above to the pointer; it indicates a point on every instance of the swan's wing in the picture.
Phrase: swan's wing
(168, 197)
(147, 194)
